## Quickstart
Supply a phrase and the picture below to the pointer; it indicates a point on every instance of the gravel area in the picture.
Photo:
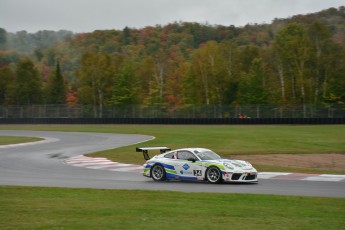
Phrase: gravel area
(314, 161)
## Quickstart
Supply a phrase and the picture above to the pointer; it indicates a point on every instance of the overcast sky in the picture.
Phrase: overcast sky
(89, 15)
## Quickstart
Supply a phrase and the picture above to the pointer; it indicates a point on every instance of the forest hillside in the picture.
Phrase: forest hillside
(297, 60)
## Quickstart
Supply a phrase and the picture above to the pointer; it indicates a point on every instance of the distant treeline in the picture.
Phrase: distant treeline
(299, 60)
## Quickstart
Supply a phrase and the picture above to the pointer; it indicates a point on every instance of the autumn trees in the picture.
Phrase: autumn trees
(297, 61)
(306, 60)
(95, 79)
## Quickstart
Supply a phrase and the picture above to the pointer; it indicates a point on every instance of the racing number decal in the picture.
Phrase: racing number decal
(197, 172)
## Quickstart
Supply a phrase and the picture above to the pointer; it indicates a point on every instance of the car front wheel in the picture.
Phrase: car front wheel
(158, 173)
(214, 175)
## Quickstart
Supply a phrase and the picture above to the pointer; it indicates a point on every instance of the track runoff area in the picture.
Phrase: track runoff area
(105, 164)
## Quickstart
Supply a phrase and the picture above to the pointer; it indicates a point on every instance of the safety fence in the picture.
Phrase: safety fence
(186, 112)
(175, 121)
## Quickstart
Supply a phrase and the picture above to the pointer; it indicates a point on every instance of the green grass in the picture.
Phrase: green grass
(230, 140)
(61, 208)
(6, 140)
(227, 140)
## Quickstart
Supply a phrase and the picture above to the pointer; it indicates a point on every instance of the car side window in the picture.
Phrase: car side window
(169, 155)
(185, 155)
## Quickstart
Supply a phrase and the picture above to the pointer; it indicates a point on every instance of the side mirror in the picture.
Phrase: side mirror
(192, 159)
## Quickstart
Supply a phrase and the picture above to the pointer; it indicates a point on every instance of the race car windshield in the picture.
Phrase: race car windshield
(208, 155)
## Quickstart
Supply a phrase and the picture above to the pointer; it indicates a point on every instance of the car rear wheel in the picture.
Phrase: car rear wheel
(214, 175)
(158, 173)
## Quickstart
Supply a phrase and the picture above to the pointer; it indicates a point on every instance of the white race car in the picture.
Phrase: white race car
(195, 164)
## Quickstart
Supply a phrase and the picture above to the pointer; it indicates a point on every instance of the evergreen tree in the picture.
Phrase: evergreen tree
(27, 84)
(2, 39)
(125, 89)
(56, 91)
(126, 36)
(6, 76)
(252, 88)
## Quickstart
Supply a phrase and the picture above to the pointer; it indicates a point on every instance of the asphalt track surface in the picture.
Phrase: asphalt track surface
(42, 164)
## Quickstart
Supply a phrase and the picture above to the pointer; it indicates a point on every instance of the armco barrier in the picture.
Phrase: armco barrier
(199, 121)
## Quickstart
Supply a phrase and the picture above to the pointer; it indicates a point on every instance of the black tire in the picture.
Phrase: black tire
(214, 175)
(158, 173)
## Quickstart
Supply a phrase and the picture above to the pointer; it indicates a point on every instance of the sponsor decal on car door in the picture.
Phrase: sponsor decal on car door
(187, 168)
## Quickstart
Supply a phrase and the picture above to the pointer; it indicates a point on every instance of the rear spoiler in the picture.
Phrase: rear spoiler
(145, 150)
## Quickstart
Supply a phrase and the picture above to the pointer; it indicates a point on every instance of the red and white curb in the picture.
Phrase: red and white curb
(102, 163)
(105, 164)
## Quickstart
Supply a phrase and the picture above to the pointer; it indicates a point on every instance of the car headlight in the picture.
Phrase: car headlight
(249, 164)
(229, 166)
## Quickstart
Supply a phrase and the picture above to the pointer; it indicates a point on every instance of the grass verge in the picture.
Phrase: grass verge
(7, 140)
(227, 140)
(62, 208)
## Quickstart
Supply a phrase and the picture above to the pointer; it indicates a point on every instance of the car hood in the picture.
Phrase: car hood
(239, 164)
